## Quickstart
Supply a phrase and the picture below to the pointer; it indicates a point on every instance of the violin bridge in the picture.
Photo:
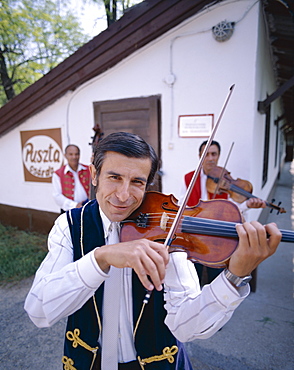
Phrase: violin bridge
(164, 221)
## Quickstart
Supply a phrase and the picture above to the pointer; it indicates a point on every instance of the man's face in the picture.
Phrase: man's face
(211, 159)
(72, 155)
(121, 184)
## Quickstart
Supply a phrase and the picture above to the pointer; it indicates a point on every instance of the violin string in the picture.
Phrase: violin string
(226, 228)
(241, 191)
(198, 225)
(191, 219)
(287, 236)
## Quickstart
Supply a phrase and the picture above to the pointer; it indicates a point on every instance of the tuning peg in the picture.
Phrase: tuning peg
(279, 206)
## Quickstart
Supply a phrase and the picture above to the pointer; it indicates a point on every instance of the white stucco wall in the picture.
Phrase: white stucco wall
(204, 70)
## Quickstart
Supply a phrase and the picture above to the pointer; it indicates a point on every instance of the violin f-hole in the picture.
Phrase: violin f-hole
(165, 208)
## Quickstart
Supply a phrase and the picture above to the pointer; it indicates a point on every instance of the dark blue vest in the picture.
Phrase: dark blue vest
(83, 327)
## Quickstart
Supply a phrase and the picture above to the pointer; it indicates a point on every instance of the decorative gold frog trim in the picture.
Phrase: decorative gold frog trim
(167, 354)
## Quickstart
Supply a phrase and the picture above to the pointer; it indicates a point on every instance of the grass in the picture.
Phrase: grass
(21, 253)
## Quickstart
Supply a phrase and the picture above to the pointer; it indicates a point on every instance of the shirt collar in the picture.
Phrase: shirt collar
(106, 223)
(67, 168)
(202, 172)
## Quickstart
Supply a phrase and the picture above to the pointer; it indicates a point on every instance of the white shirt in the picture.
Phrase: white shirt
(126, 348)
(80, 194)
(62, 286)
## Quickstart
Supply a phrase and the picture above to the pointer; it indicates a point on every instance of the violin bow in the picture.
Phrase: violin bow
(223, 171)
(181, 209)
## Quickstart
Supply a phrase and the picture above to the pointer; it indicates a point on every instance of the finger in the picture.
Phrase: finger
(148, 275)
(260, 203)
(161, 249)
(263, 204)
(252, 239)
(158, 259)
(254, 246)
(242, 233)
(155, 267)
(258, 241)
(143, 277)
(153, 276)
(275, 236)
(149, 259)
(256, 203)
(246, 256)
(257, 235)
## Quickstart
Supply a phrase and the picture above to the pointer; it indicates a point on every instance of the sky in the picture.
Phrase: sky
(92, 15)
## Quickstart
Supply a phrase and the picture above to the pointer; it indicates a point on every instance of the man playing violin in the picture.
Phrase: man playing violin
(86, 261)
(200, 191)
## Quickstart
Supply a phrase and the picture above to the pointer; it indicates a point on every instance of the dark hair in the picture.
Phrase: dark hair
(71, 145)
(212, 143)
(130, 145)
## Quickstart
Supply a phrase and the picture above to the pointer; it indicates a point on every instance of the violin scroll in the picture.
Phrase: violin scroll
(276, 207)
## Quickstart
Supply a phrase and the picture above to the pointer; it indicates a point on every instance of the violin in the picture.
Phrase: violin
(219, 180)
(206, 232)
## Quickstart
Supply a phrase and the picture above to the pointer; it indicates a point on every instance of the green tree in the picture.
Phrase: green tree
(35, 36)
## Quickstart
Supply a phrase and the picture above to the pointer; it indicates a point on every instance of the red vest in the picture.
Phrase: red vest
(195, 195)
(67, 181)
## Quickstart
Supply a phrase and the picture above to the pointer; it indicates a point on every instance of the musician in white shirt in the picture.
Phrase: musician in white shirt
(124, 165)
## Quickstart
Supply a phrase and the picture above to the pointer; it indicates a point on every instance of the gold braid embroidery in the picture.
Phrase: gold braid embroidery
(83, 344)
(97, 314)
(82, 231)
(167, 354)
(68, 363)
(74, 337)
(139, 319)
(83, 253)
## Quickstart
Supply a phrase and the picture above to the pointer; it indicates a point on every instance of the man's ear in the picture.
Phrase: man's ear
(93, 174)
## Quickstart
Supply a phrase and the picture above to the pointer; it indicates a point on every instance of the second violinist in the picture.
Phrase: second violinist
(200, 191)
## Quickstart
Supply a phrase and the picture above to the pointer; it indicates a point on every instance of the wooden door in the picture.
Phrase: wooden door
(139, 116)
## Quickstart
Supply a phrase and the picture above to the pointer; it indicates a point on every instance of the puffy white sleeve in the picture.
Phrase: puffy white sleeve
(62, 286)
(194, 313)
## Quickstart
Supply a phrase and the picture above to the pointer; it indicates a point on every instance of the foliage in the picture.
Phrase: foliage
(35, 36)
(21, 253)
